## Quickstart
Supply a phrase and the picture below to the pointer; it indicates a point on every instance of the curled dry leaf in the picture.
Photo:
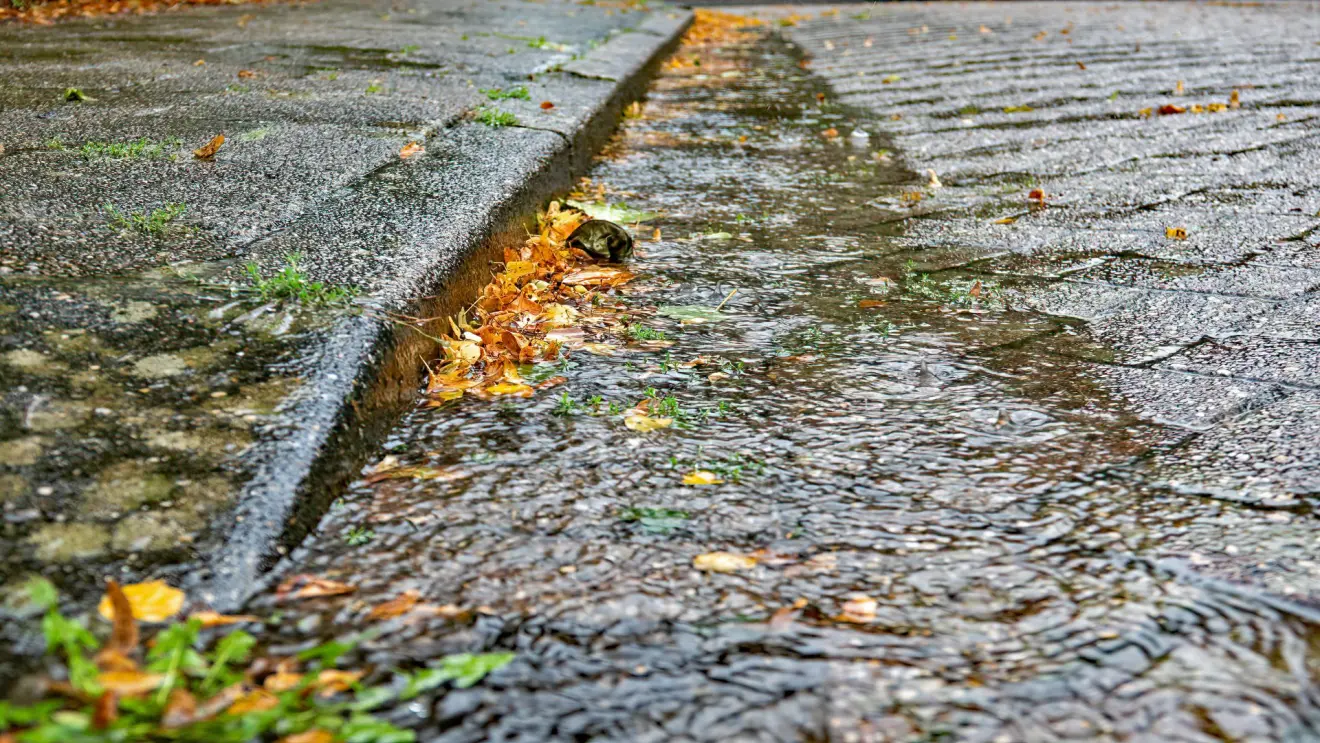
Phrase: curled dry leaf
(306, 586)
(124, 633)
(395, 607)
(701, 477)
(858, 609)
(153, 601)
(213, 619)
(411, 149)
(723, 562)
(1175, 233)
(208, 150)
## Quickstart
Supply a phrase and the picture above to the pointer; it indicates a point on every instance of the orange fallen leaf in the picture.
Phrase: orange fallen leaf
(410, 149)
(246, 74)
(723, 562)
(310, 736)
(395, 607)
(213, 619)
(129, 683)
(1169, 108)
(153, 601)
(867, 304)
(331, 682)
(208, 150)
(830, 133)
(546, 105)
(257, 700)
(1081, 65)
(1234, 100)
(1036, 195)
(281, 681)
(1005, 220)
(975, 291)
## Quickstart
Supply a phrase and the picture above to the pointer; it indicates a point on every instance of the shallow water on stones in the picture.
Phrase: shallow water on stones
(925, 451)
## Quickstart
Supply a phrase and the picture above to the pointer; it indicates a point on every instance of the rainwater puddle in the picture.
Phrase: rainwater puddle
(942, 528)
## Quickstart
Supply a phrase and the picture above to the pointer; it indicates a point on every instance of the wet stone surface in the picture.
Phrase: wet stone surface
(973, 517)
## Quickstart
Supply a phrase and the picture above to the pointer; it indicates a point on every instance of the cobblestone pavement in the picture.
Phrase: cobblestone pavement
(1068, 502)
(1081, 101)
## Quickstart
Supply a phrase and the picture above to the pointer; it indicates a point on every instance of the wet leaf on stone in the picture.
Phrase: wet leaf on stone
(153, 601)
(214, 619)
(208, 150)
(305, 586)
(723, 562)
(644, 423)
(395, 607)
(620, 212)
(701, 477)
(691, 314)
(411, 149)
(858, 609)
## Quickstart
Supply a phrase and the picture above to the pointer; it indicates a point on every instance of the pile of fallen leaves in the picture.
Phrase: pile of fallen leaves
(538, 305)
(715, 28)
(116, 686)
(49, 11)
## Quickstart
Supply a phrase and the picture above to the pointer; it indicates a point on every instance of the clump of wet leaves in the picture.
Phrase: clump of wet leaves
(191, 684)
(544, 300)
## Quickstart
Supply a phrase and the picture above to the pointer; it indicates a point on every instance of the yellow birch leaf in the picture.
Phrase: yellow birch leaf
(701, 477)
(153, 601)
(644, 423)
(510, 388)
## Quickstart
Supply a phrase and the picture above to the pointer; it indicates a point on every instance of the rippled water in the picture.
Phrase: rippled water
(1027, 586)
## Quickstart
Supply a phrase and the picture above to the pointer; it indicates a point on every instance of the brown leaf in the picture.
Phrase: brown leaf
(257, 700)
(280, 681)
(867, 304)
(1037, 195)
(208, 150)
(124, 632)
(310, 586)
(1169, 108)
(723, 562)
(975, 291)
(180, 710)
(395, 607)
(106, 710)
(546, 105)
(783, 618)
(246, 74)
(410, 149)
(859, 609)
(1081, 65)
(331, 682)
(212, 619)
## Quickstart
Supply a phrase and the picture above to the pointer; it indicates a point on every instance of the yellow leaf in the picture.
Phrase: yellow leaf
(858, 609)
(723, 562)
(311, 736)
(153, 601)
(518, 269)
(410, 149)
(509, 388)
(129, 683)
(1006, 220)
(1175, 233)
(701, 477)
(208, 150)
(643, 423)
(257, 700)
(559, 315)
(599, 349)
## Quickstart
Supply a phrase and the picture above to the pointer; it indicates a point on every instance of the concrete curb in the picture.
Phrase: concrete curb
(366, 370)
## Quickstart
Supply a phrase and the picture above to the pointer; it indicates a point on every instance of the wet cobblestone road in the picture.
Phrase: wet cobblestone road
(1028, 481)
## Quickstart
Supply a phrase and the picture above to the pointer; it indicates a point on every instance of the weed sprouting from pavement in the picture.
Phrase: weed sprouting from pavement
(141, 148)
(357, 536)
(639, 332)
(147, 222)
(495, 118)
(503, 94)
(292, 284)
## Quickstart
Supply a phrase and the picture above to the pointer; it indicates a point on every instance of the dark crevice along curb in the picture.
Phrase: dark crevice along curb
(462, 211)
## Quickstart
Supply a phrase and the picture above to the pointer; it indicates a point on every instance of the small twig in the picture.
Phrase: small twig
(726, 300)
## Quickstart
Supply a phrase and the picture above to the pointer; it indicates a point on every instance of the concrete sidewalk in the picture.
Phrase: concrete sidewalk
(157, 421)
